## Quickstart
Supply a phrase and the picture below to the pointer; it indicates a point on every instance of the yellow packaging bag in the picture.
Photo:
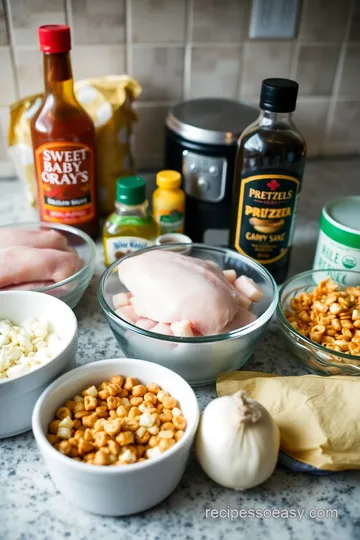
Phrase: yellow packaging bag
(318, 417)
(108, 100)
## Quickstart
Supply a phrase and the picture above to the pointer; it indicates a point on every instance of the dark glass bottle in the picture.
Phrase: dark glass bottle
(268, 174)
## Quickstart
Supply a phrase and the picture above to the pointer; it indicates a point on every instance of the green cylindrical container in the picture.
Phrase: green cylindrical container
(338, 244)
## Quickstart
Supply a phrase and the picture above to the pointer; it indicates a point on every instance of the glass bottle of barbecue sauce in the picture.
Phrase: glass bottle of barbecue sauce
(63, 138)
(269, 168)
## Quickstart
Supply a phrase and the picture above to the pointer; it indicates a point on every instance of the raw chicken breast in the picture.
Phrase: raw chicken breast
(249, 288)
(242, 318)
(27, 264)
(170, 287)
(162, 328)
(230, 275)
(244, 302)
(37, 238)
(121, 299)
(27, 286)
(182, 329)
(146, 324)
(128, 313)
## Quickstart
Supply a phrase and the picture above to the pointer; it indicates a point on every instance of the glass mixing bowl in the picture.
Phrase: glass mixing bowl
(198, 359)
(71, 289)
(316, 358)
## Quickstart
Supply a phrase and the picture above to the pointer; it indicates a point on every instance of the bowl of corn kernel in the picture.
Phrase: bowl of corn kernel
(320, 320)
(116, 434)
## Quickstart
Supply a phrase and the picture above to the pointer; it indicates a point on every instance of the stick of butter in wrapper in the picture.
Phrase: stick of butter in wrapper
(108, 100)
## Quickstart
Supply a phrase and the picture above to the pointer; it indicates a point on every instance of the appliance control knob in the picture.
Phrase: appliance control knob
(213, 170)
(203, 184)
(193, 167)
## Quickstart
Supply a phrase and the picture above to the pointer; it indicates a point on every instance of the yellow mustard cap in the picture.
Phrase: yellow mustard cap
(168, 179)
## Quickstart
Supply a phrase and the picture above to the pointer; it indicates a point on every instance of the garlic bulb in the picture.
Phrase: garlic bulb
(237, 442)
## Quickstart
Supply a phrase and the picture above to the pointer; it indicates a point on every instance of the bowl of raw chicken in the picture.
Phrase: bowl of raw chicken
(54, 259)
(199, 311)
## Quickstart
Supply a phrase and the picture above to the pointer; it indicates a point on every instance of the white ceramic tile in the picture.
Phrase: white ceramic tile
(215, 71)
(7, 86)
(160, 71)
(27, 15)
(158, 21)
(263, 59)
(316, 69)
(98, 22)
(97, 60)
(29, 64)
(345, 128)
(149, 136)
(220, 20)
(350, 76)
(354, 34)
(310, 118)
(324, 20)
(4, 36)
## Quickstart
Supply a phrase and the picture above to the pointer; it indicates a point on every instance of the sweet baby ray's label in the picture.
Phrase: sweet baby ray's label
(65, 173)
(117, 247)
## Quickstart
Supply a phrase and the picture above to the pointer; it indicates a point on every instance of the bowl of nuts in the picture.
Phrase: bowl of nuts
(320, 321)
(116, 434)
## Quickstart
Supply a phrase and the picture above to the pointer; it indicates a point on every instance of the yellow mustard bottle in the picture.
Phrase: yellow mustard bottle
(169, 202)
(131, 227)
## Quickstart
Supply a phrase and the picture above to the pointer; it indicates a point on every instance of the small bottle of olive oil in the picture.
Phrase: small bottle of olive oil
(131, 227)
(268, 174)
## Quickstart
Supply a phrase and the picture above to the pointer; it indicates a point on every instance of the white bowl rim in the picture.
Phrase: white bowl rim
(61, 227)
(239, 332)
(71, 314)
(87, 467)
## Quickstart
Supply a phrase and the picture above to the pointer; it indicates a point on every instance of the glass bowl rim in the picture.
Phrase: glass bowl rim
(61, 227)
(244, 330)
(292, 331)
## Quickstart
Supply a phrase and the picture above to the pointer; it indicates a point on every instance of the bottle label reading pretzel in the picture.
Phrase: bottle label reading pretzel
(266, 216)
(65, 174)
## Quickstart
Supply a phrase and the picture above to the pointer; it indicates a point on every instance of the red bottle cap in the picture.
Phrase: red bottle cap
(54, 38)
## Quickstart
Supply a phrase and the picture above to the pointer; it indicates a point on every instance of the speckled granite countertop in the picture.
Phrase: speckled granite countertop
(31, 508)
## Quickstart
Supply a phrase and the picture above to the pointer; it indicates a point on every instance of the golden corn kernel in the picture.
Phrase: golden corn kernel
(63, 412)
(138, 390)
(90, 420)
(165, 444)
(179, 422)
(124, 438)
(130, 382)
(178, 435)
(136, 401)
(90, 403)
(101, 458)
(153, 388)
(170, 402)
(117, 379)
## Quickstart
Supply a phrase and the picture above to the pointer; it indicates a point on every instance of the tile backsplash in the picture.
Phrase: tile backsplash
(181, 49)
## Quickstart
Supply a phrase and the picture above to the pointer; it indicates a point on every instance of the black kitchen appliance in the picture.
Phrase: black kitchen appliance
(201, 142)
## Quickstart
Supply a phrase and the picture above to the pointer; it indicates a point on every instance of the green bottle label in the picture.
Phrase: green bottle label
(115, 219)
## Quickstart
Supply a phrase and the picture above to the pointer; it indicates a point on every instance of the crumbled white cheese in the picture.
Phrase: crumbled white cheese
(26, 347)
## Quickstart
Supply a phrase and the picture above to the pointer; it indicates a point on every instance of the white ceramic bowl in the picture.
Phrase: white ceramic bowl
(18, 395)
(115, 490)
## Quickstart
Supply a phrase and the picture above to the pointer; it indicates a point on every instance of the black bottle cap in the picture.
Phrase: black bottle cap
(278, 95)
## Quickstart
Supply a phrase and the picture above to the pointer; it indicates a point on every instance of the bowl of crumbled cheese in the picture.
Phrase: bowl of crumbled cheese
(38, 342)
